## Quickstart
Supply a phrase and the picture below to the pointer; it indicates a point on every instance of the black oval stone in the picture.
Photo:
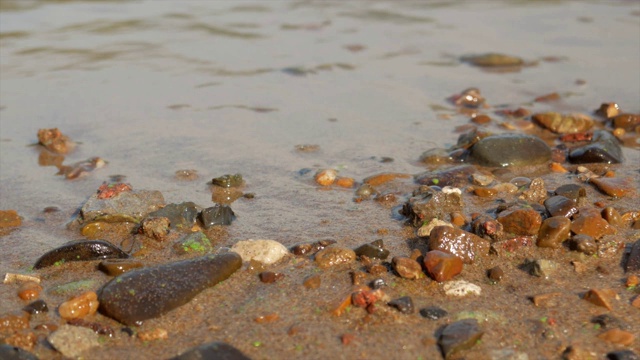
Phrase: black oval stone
(81, 251)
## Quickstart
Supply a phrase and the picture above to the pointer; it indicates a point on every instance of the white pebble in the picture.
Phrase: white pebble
(264, 251)
(451, 190)
(461, 288)
(72, 341)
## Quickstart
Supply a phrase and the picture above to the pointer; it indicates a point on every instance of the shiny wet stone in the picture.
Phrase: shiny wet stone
(615, 187)
(561, 206)
(374, 250)
(80, 251)
(115, 267)
(584, 244)
(442, 266)
(571, 191)
(460, 243)
(36, 307)
(520, 221)
(217, 215)
(510, 150)
(196, 242)
(604, 148)
(554, 231)
(406, 267)
(433, 312)
(147, 293)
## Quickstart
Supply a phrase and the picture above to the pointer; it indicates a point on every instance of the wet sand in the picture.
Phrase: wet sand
(226, 88)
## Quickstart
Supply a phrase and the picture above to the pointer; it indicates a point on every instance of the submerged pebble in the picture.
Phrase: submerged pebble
(493, 60)
(181, 216)
(228, 180)
(115, 267)
(563, 124)
(333, 256)
(150, 292)
(80, 251)
(193, 242)
(79, 306)
(310, 248)
(460, 335)
(510, 150)
(374, 249)
(217, 215)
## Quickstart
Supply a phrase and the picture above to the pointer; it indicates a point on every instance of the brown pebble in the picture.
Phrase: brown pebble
(333, 256)
(481, 119)
(495, 273)
(617, 336)
(383, 178)
(608, 110)
(79, 306)
(358, 277)
(592, 224)
(415, 254)
(554, 96)
(345, 182)
(557, 168)
(442, 266)
(269, 277)
(9, 218)
(612, 216)
(599, 297)
(485, 192)
(406, 267)
(29, 290)
(115, 267)
(632, 280)
(269, 318)
(547, 300)
(347, 339)
(377, 269)
(155, 334)
(187, 175)
(312, 282)
(616, 187)
(579, 267)
(458, 219)
(554, 231)
(636, 302)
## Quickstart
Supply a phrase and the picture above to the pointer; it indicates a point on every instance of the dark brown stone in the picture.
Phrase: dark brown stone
(406, 267)
(589, 222)
(633, 261)
(561, 206)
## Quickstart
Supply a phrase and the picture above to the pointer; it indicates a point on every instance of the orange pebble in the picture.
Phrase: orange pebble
(632, 280)
(326, 177)
(345, 182)
(29, 291)
(79, 306)
(557, 168)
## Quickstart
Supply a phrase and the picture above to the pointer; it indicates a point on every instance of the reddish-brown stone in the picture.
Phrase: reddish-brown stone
(592, 224)
(460, 243)
(554, 231)
(442, 266)
(520, 221)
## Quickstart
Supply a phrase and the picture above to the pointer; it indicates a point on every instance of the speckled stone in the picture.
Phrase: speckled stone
(333, 256)
(72, 341)
(460, 243)
(520, 221)
(264, 251)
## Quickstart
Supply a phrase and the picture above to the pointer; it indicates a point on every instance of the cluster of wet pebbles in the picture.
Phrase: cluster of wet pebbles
(127, 230)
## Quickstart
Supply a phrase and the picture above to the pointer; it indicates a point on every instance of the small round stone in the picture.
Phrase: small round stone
(433, 312)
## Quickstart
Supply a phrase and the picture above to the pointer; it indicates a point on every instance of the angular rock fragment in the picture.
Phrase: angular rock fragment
(147, 293)
(520, 221)
(459, 335)
(80, 251)
(427, 203)
(460, 243)
(554, 231)
(441, 265)
(461, 288)
(181, 216)
(403, 304)
(217, 215)
(135, 204)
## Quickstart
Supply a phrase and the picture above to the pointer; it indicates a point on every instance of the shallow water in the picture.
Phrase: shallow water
(232, 87)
